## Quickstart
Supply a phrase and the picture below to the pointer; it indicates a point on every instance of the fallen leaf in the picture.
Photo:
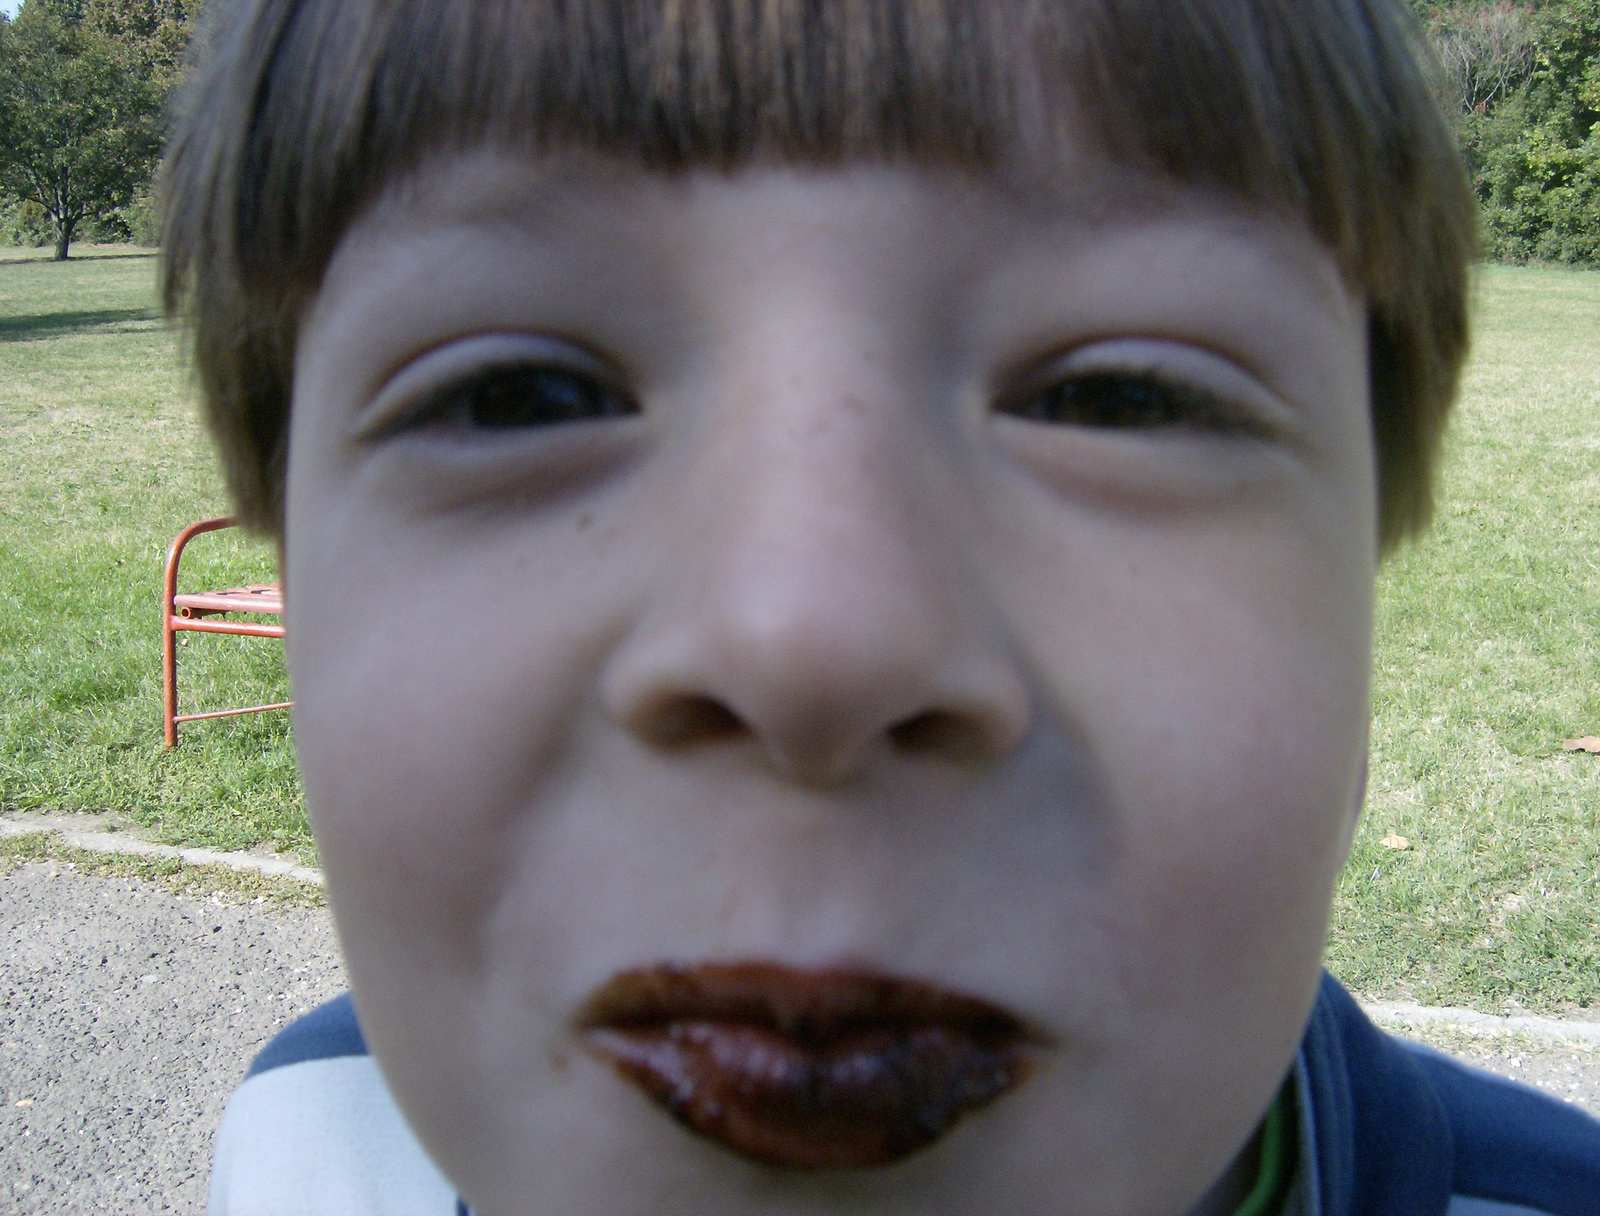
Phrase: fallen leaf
(1393, 841)
(1589, 743)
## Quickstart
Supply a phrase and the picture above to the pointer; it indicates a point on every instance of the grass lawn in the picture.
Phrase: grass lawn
(1488, 634)
(103, 462)
(1488, 657)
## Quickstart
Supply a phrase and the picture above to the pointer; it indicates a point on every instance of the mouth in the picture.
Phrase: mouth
(829, 1069)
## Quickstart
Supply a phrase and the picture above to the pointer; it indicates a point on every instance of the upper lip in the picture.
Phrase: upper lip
(808, 1005)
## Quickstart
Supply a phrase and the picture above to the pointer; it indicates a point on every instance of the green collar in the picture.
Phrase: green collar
(1276, 1171)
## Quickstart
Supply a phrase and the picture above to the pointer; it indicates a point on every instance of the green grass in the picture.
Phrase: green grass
(1488, 637)
(1488, 657)
(103, 463)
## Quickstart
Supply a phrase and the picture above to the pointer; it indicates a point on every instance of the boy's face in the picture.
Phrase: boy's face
(872, 572)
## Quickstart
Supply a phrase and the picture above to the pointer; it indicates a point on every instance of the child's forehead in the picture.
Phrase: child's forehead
(1005, 210)
(490, 185)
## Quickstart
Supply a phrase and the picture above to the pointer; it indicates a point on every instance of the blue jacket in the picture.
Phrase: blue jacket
(1401, 1130)
(1387, 1128)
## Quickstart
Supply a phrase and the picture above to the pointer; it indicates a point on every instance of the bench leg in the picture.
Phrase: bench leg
(169, 677)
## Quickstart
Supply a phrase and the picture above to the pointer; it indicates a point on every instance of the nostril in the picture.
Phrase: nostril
(941, 733)
(684, 721)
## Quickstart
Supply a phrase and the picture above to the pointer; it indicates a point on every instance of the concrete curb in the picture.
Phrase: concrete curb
(1401, 1014)
(118, 842)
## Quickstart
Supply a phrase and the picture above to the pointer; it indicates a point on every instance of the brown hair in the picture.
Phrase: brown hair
(302, 111)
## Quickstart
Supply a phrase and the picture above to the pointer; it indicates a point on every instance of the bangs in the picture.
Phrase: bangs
(1235, 95)
(306, 110)
(359, 93)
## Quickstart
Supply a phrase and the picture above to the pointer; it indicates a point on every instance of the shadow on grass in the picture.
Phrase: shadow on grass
(53, 324)
(48, 259)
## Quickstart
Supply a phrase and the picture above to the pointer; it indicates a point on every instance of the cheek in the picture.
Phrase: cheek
(1220, 679)
(436, 685)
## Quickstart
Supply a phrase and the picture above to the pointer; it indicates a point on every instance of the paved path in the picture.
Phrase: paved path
(128, 1013)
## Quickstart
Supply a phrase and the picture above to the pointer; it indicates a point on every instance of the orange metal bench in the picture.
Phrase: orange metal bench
(209, 612)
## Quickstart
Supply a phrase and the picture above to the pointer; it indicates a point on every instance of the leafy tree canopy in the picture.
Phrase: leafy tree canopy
(83, 86)
(153, 33)
(1524, 82)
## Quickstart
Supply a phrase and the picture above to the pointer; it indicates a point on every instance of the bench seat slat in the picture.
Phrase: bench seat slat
(264, 598)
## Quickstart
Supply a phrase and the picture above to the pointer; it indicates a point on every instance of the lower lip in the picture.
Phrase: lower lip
(866, 1096)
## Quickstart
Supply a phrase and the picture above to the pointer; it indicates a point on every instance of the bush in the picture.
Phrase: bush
(1524, 82)
(138, 220)
(23, 223)
(1539, 190)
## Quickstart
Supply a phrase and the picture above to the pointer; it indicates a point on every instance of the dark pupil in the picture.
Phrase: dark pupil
(536, 396)
(1106, 401)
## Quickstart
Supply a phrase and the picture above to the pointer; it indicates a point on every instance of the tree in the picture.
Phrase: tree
(1486, 53)
(80, 116)
(1523, 80)
(1537, 155)
(154, 34)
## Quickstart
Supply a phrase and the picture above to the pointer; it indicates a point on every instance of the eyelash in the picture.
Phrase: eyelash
(523, 396)
(540, 395)
(1112, 400)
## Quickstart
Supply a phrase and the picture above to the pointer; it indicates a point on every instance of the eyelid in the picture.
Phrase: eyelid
(1254, 407)
(401, 398)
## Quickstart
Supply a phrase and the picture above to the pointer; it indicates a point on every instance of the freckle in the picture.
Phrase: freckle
(585, 520)
(856, 406)
(559, 1059)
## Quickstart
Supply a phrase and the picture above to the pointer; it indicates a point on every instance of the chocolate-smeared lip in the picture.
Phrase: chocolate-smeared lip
(808, 1069)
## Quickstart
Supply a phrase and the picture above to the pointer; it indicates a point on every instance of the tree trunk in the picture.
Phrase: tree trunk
(63, 238)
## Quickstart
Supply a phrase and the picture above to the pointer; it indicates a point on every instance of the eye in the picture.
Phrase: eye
(521, 396)
(1113, 400)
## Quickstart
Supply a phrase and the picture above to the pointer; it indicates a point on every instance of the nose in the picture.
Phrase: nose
(815, 604)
